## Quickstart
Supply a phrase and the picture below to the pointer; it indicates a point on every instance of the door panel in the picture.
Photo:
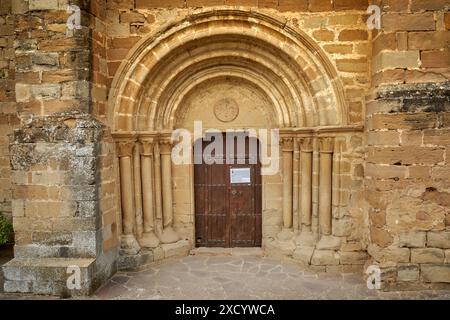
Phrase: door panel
(228, 207)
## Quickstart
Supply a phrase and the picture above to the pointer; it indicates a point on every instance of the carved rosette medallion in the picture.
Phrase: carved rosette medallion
(226, 110)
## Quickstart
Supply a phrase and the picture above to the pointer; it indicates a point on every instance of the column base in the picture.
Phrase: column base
(169, 235)
(328, 242)
(285, 234)
(149, 240)
(129, 244)
(306, 239)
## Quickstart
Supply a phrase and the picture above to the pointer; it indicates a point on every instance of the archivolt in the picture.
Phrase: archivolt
(285, 64)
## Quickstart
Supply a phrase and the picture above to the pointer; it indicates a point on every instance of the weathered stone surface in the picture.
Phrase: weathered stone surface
(329, 243)
(408, 272)
(47, 276)
(414, 239)
(435, 273)
(303, 254)
(325, 257)
(389, 254)
(353, 258)
(427, 255)
(438, 239)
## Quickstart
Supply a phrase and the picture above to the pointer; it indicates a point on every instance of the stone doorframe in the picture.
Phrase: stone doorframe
(310, 166)
(306, 100)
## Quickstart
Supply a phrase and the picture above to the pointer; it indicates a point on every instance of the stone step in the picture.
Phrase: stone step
(49, 276)
(258, 252)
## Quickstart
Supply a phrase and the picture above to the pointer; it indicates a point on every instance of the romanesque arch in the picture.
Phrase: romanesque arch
(299, 93)
(286, 65)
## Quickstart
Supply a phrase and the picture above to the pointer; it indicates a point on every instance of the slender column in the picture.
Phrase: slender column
(306, 196)
(325, 185)
(137, 190)
(336, 178)
(315, 189)
(168, 235)
(128, 241)
(306, 159)
(149, 238)
(296, 221)
(158, 192)
(287, 148)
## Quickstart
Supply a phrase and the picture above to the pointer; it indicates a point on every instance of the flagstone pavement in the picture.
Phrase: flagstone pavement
(239, 277)
(243, 277)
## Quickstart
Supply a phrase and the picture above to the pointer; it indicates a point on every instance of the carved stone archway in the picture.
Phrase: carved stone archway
(305, 100)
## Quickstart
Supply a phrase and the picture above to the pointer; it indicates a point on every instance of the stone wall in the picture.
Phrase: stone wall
(407, 164)
(55, 84)
(8, 116)
(63, 178)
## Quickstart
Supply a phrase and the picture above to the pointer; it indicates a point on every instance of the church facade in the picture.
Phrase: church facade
(94, 93)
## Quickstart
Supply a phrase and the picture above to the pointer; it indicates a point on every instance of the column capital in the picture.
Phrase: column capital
(147, 145)
(306, 144)
(125, 148)
(287, 144)
(165, 145)
(326, 145)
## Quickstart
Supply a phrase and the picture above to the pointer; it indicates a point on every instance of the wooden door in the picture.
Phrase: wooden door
(228, 198)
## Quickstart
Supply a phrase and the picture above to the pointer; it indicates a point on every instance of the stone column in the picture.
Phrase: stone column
(158, 191)
(149, 238)
(315, 189)
(128, 241)
(296, 220)
(306, 159)
(325, 185)
(137, 190)
(168, 235)
(287, 149)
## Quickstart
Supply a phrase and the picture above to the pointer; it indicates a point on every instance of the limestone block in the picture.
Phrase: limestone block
(47, 276)
(342, 227)
(438, 240)
(46, 91)
(391, 60)
(325, 257)
(177, 249)
(303, 254)
(423, 5)
(353, 258)
(413, 239)
(408, 272)
(408, 22)
(435, 273)
(43, 4)
(280, 248)
(427, 255)
(391, 254)
(45, 59)
(329, 243)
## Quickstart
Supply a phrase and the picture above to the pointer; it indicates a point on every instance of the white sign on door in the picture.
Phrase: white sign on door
(240, 175)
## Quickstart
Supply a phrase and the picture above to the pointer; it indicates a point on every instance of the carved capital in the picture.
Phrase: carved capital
(306, 145)
(165, 146)
(326, 145)
(147, 147)
(287, 144)
(125, 148)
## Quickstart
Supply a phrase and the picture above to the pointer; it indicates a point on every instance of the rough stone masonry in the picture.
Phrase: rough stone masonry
(86, 117)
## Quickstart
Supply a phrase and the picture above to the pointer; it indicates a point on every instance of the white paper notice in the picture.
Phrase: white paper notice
(241, 175)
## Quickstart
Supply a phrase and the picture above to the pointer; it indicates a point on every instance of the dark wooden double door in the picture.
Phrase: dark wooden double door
(228, 198)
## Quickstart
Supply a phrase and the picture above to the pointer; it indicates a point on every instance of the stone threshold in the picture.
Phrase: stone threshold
(207, 251)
